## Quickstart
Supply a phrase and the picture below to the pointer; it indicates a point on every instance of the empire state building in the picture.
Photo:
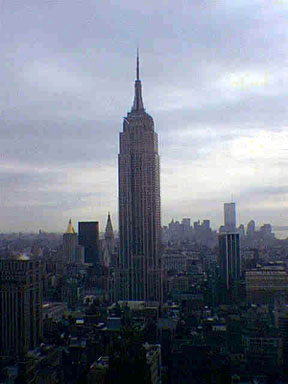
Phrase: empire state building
(139, 271)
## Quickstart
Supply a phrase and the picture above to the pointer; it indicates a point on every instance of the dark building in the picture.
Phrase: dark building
(265, 284)
(109, 233)
(139, 273)
(281, 320)
(229, 258)
(88, 237)
(194, 363)
(20, 306)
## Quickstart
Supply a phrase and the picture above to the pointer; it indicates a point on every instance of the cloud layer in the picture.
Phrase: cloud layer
(214, 80)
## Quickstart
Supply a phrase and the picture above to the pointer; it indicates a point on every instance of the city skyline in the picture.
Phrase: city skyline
(220, 108)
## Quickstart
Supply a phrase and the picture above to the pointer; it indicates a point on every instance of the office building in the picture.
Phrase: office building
(139, 271)
(281, 322)
(265, 284)
(230, 217)
(70, 242)
(229, 258)
(251, 228)
(88, 237)
(241, 230)
(20, 305)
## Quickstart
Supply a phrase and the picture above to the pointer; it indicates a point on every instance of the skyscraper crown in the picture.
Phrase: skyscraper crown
(138, 102)
(70, 228)
(109, 234)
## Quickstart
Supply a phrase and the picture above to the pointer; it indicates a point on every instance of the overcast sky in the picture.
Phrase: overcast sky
(214, 77)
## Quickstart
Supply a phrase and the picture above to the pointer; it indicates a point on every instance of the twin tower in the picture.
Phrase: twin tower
(139, 270)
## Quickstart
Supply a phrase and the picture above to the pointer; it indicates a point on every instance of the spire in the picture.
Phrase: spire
(109, 234)
(70, 228)
(137, 69)
(138, 102)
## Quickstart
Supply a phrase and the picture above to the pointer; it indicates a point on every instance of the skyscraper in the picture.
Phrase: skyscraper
(251, 227)
(70, 242)
(230, 216)
(88, 237)
(20, 305)
(109, 248)
(109, 234)
(139, 204)
(230, 261)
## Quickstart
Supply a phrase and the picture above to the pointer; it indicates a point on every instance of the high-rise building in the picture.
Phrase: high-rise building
(186, 228)
(88, 237)
(20, 305)
(241, 230)
(70, 242)
(109, 234)
(230, 216)
(251, 228)
(229, 258)
(109, 245)
(139, 205)
(186, 222)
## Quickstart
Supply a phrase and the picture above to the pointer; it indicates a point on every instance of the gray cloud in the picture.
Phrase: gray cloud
(67, 81)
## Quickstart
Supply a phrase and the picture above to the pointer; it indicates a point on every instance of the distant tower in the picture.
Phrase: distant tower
(108, 245)
(70, 242)
(35, 250)
(139, 205)
(109, 234)
(229, 258)
(241, 230)
(230, 216)
(251, 227)
(21, 306)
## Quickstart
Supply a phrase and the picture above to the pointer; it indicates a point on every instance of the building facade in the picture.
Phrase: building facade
(70, 242)
(139, 272)
(88, 237)
(20, 306)
(230, 216)
(265, 284)
(229, 258)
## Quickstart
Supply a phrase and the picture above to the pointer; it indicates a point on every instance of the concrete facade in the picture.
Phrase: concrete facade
(20, 306)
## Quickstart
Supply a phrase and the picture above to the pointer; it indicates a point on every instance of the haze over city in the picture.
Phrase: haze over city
(213, 76)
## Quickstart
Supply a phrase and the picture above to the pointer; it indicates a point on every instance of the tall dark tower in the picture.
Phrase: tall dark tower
(139, 205)
(88, 237)
(21, 305)
(230, 258)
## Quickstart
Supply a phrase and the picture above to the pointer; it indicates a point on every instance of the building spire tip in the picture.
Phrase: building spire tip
(137, 69)
(138, 102)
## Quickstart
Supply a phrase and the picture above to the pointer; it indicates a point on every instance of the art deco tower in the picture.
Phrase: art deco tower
(139, 205)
